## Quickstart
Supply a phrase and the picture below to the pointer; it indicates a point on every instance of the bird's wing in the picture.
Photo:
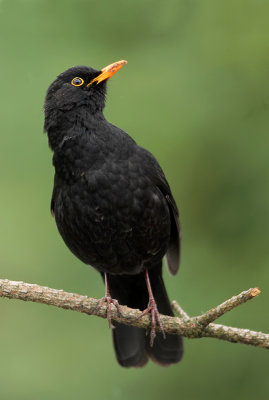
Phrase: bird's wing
(52, 207)
(173, 251)
(52, 203)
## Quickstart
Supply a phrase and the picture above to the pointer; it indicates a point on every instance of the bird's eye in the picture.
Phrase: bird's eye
(77, 81)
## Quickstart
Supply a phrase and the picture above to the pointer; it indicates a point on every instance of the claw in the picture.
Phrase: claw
(109, 301)
(155, 319)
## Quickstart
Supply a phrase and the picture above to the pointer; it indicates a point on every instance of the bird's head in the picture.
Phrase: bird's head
(79, 86)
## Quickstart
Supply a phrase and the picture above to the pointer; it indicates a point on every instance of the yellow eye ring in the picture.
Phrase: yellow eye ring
(77, 81)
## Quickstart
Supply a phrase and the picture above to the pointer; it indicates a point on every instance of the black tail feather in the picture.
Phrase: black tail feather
(132, 344)
(129, 341)
(169, 350)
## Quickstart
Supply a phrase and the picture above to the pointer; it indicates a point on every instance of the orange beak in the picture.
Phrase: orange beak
(108, 71)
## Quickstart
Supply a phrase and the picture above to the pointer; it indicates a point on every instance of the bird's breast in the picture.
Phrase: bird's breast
(107, 208)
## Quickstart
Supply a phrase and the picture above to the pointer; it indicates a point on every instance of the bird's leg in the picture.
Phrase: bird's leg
(153, 310)
(108, 299)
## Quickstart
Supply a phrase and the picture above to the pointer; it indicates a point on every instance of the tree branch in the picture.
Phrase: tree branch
(195, 327)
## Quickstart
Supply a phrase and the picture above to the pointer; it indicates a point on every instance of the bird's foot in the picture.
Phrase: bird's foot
(108, 300)
(155, 319)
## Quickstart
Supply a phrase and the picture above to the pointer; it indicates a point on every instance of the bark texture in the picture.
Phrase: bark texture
(195, 327)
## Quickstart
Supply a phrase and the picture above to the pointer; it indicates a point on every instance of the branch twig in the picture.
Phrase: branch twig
(214, 313)
(195, 327)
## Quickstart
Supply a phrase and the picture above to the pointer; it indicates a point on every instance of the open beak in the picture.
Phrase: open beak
(108, 71)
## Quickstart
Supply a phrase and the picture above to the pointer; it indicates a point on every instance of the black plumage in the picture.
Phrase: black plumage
(113, 208)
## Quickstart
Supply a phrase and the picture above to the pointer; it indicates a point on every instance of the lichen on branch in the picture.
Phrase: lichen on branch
(195, 327)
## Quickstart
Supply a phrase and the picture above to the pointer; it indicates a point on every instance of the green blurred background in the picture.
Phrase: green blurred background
(195, 92)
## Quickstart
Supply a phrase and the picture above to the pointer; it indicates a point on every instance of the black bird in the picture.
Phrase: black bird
(114, 209)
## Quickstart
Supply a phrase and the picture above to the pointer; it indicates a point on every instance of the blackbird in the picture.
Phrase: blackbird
(114, 209)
